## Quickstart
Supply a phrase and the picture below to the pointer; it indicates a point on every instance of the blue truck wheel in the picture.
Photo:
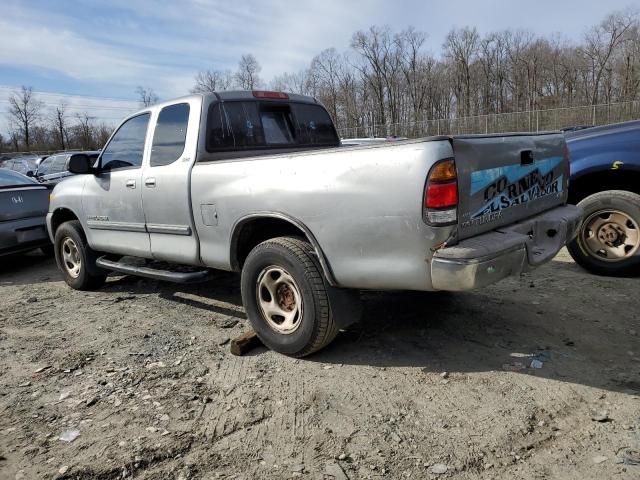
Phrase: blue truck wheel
(608, 241)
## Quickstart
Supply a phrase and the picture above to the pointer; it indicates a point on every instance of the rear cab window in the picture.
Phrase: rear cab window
(252, 125)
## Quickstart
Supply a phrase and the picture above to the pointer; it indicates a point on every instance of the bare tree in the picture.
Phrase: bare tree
(213, 81)
(58, 119)
(385, 81)
(248, 74)
(602, 41)
(371, 46)
(14, 140)
(101, 134)
(461, 46)
(416, 67)
(84, 130)
(326, 68)
(299, 82)
(24, 112)
(146, 96)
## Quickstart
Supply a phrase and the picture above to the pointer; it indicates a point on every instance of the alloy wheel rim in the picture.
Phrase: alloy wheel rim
(611, 235)
(71, 257)
(279, 300)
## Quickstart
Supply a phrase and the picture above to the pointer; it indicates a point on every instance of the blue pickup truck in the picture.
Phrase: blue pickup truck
(605, 182)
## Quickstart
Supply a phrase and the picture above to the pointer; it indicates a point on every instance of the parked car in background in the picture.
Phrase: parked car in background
(257, 182)
(23, 208)
(55, 168)
(605, 182)
(23, 164)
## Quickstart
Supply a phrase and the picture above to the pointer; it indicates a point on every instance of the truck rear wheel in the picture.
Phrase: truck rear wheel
(608, 241)
(285, 297)
(75, 259)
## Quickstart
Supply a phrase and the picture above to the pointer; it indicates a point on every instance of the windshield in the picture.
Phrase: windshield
(9, 178)
(243, 125)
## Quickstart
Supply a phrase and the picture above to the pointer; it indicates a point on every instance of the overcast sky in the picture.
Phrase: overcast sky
(86, 48)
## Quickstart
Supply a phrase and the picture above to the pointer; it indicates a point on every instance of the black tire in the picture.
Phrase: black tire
(89, 276)
(610, 200)
(317, 327)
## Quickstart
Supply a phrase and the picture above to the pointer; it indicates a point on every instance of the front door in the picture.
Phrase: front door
(112, 198)
(165, 184)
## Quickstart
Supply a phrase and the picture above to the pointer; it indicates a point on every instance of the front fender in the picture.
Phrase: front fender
(66, 200)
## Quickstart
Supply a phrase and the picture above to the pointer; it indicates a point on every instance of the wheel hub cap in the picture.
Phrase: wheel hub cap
(71, 257)
(611, 235)
(279, 299)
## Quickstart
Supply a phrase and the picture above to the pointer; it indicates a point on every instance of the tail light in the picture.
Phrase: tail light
(270, 95)
(441, 194)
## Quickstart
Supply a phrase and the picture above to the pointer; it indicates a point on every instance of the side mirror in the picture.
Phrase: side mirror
(79, 163)
(29, 173)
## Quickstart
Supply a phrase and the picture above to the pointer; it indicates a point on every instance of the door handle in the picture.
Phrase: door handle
(131, 183)
(526, 157)
(150, 182)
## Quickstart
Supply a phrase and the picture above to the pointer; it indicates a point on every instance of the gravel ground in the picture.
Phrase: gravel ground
(136, 381)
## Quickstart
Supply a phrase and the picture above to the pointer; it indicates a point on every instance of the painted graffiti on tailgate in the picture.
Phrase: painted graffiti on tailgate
(503, 187)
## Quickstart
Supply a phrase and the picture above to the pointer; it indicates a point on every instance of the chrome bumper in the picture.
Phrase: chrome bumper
(520, 247)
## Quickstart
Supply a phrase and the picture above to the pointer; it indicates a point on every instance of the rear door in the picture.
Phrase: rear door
(166, 183)
(504, 179)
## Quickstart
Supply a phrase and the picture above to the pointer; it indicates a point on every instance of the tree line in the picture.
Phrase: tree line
(32, 128)
(387, 77)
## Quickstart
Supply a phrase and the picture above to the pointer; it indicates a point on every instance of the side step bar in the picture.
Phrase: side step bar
(154, 273)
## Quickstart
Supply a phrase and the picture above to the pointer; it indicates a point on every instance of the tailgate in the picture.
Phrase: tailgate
(504, 179)
(24, 202)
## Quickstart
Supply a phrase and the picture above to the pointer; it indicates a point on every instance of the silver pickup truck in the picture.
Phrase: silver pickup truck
(257, 182)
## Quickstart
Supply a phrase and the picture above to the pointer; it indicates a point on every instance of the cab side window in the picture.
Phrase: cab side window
(170, 134)
(126, 148)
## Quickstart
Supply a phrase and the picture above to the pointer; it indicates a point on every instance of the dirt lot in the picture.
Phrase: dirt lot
(429, 385)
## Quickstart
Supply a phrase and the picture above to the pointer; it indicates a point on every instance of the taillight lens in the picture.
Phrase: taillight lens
(441, 194)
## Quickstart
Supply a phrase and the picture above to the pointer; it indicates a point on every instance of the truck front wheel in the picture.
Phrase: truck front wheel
(75, 259)
(608, 241)
(285, 297)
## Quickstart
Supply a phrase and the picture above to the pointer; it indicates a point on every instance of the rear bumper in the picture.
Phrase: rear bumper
(23, 234)
(511, 250)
